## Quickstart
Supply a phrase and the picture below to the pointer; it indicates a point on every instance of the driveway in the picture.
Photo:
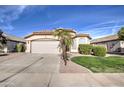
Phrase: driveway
(42, 70)
(28, 69)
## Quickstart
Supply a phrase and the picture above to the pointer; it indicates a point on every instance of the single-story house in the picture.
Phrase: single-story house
(46, 42)
(111, 43)
(11, 42)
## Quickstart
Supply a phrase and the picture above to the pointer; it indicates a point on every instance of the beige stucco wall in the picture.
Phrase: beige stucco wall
(28, 43)
(40, 36)
(86, 39)
(122, 44)
(77, 42)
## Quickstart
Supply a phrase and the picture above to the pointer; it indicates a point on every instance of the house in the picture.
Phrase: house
(11, 42)
(111, 43)
(46, 42)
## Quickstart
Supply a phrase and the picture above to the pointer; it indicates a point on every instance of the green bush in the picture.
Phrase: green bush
(99, 51)
(23, 47)
(85, 49)
(20, 47)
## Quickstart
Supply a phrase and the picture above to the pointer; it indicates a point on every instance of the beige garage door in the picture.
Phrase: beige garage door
(45, 47)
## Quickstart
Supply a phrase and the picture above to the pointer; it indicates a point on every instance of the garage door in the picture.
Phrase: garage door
(45, 47)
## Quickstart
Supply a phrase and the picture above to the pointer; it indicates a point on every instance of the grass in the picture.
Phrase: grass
(101, 64)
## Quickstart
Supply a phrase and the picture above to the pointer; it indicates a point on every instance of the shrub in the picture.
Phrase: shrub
(85, 49)
(23, 47)
(20, 47)
(99, 51)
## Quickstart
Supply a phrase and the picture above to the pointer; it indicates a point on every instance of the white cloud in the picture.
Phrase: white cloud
(8, 14)
(99, 24)
(104, 28)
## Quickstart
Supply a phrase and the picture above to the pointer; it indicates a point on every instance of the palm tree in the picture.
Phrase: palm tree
(65, 37)
(3, 40)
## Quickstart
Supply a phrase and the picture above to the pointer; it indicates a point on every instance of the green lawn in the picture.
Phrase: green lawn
(101, 64)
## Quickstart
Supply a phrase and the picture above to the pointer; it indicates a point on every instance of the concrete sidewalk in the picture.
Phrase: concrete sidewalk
(87, 80)
(65, 80)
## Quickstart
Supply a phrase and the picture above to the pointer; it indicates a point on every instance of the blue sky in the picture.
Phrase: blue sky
(97, 21)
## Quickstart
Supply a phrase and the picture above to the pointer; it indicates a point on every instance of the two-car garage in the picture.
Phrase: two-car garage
(45, 46)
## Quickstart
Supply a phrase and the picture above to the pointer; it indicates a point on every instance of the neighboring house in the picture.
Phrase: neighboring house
(11, 42)
(111, 43)
(46, 42)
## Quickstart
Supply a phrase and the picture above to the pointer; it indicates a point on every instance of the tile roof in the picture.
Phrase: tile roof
(70, 30)
(14, 38)
(104, 39)
(83, 35)
(45, 32)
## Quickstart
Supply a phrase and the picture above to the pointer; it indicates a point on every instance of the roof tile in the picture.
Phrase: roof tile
(104, 39)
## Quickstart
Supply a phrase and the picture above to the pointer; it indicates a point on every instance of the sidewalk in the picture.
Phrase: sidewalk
(87, 80)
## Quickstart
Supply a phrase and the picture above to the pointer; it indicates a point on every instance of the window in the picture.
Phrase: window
(82, 41)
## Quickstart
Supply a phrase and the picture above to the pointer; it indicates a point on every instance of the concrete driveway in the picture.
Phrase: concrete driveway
(28, 69)
(42, 70)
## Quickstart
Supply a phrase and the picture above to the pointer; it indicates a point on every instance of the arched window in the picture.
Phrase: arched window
(82, 41)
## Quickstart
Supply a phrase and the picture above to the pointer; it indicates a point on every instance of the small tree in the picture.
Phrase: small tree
(20, 47)
(66, 41)
(23, 47)
(121, 33)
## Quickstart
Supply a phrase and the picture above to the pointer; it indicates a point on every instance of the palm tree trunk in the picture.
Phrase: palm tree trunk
(64, 54)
